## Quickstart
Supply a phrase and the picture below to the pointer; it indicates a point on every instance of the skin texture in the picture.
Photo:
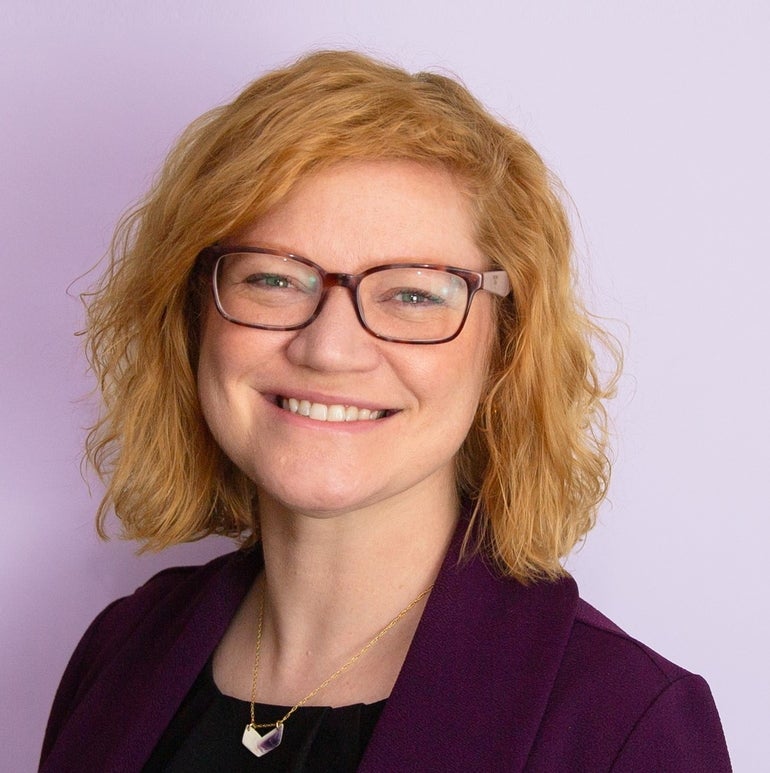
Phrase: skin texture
(355, 517)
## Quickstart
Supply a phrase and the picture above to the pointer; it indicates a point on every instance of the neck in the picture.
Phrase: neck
(329, 566)
(331, 583)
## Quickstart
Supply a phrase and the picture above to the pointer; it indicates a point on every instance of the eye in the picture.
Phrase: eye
(268, 281)
(411, 297)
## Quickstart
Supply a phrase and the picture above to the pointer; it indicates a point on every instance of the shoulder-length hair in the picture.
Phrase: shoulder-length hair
(535, 459)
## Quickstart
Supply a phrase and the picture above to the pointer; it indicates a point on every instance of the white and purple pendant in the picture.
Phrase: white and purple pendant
(260, 745)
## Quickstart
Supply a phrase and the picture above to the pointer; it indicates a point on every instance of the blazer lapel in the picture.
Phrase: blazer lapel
(477, 677)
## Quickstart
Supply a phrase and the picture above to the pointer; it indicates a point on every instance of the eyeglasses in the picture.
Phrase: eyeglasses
(414, 303)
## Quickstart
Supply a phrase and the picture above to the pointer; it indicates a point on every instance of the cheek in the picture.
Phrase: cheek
(209, 356)
(457, 376)
(210, 393)
(219, 364)
(476, 360)
(478, 345)
(225, 399)
(226, 350)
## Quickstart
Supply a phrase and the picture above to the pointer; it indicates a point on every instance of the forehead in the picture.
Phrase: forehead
(356, 214)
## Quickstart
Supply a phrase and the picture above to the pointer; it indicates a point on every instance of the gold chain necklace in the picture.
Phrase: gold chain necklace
(262, 744)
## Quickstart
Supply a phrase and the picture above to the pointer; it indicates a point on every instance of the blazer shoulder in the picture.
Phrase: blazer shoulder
(595, 631)
(173, 590)
(606, 679)
(636, 703)
(176, 587)
(680, 731)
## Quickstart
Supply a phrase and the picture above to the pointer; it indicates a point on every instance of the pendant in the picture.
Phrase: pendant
(262, 744)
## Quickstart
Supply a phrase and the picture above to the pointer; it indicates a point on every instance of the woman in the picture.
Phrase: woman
(342, 329)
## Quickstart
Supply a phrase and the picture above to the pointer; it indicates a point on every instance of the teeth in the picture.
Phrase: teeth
(335, 413)
(318, 411)
(321, 412)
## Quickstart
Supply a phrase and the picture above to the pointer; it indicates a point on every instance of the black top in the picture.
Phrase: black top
(205, 735)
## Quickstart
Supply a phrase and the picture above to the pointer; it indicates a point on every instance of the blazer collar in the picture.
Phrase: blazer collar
(477, 677)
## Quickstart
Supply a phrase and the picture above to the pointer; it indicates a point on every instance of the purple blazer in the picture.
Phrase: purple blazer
(499, 677)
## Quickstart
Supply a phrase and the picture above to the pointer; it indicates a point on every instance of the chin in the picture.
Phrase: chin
(325, 500)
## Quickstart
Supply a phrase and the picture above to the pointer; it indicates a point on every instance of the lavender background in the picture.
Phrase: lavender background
(654, 114)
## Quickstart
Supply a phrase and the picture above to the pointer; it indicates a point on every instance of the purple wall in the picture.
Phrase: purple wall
(656, 120)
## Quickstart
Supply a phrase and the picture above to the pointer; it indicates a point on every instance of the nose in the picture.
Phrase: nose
(335, 339)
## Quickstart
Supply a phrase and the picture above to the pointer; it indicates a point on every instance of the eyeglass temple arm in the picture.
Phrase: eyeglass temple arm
(496, 282)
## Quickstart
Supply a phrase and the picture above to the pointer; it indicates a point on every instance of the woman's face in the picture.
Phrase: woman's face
(349, 218)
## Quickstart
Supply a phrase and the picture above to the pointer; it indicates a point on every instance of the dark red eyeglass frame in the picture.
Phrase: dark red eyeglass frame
(495, 282)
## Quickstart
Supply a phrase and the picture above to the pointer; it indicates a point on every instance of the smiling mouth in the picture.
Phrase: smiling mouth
(323, 412)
